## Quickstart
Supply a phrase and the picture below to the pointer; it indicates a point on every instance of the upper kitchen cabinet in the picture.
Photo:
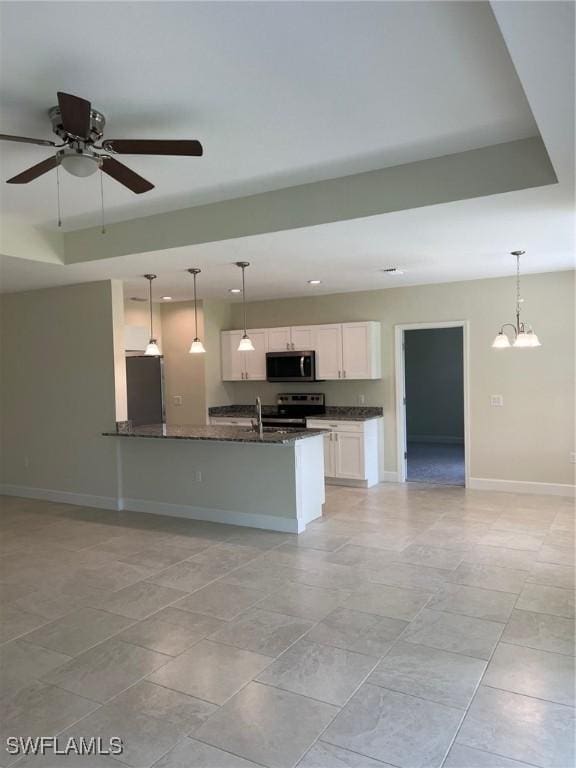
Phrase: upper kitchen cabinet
(243, 366)
(297, 338)
(328, 346)
(361, 351)
(348, 351)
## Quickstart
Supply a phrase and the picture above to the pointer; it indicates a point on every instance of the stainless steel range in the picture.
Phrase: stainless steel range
(293, 409)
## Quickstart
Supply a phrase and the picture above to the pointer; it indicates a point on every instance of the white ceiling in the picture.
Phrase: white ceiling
(279, 93)
(284, 93)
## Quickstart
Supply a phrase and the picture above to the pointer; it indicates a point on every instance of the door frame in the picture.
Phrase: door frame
(400, 391)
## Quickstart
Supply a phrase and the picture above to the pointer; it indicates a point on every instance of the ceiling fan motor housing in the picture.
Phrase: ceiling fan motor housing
(97, 123)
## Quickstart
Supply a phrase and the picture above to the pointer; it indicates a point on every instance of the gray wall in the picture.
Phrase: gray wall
(434, 384)
(58, 389)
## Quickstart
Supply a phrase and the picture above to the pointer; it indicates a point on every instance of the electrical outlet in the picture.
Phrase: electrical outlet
(572, 457)
(496, 401)
(361, 399)
(198, 476)
(177, 399)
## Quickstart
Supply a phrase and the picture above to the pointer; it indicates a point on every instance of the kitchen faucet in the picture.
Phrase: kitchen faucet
(257, 423)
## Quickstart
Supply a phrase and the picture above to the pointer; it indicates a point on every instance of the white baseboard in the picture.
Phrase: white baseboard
(389, 477)
(268, 522)
(521, 486)
(63, 497)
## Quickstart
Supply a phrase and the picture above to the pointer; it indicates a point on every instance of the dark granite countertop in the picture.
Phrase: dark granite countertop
(333, 412)
(226, 434)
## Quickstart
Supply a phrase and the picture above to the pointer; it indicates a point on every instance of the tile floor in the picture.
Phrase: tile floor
(413, 626)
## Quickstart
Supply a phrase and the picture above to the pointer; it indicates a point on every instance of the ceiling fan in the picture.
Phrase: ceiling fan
(81, 128)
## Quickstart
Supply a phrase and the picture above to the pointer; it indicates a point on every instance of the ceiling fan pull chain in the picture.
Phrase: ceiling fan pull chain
(58, 195)
(103, 228)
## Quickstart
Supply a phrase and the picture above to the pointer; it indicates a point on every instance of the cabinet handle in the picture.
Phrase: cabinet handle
(287, 345)
(339, 374)
(343, 374)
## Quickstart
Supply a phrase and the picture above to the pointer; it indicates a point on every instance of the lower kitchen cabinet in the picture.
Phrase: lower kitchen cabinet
(351, 451)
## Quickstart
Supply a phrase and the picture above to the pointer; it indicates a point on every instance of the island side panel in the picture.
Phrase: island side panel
(310, 486)
(246, 484)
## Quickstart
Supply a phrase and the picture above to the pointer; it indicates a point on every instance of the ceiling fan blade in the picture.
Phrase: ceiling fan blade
(187, 147)
(75, 113)
(36, 170)
(25, 140)
(125, 176)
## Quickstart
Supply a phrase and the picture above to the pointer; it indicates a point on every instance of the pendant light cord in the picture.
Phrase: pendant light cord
(151, 328)
(58, 195)
(518, 298)
(244, 299)
(195, 310)
(103, 223)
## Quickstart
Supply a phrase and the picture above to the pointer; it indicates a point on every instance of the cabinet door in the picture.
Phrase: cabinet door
(232, 360)
(303, 338)
(360, 351)
(278, 339)
(328, 345)
(349, 455)
(255, 362)
(329, 468)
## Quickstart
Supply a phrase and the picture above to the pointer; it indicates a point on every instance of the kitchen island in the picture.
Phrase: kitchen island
(224, 474)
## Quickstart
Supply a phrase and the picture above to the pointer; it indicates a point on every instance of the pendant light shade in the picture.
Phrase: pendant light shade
(152, 350)
(523, 336)
(245, 342)
(501, 341)
(196, 348)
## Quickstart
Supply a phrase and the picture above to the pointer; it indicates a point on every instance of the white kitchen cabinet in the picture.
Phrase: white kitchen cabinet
(361, 352)
(279, 339)
(303, 337)
(328, 346)
(255, 362)
(351, 451)
(297, 338)
(243, 366)
(343, 350)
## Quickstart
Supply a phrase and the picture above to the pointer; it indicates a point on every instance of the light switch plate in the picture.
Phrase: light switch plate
(177, 399)
(496, 401)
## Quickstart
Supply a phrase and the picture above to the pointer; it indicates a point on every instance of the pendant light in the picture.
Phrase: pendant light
(245, 342)
(196, 348)
(152, 349)
(524, 336)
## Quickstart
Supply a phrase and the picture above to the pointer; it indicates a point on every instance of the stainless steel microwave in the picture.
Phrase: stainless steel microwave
(291, 366)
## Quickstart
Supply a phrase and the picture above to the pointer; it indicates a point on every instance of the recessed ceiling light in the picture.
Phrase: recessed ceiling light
(234, 290)
(166, 298)
(314, 282)
(393, 271)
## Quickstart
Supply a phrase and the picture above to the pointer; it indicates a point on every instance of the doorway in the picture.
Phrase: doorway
(432, 407)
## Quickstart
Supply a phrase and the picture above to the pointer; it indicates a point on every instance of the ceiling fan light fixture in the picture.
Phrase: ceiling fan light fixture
(79, 164)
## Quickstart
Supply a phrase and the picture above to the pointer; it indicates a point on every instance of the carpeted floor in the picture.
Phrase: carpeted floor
(436, 463)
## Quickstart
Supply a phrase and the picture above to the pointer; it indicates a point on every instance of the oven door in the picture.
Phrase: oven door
(291, 366)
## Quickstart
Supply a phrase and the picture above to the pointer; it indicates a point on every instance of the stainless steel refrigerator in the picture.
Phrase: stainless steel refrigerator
(145, 384)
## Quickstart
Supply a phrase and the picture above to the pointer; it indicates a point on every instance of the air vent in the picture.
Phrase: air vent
(137, 298)
(393, 271)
